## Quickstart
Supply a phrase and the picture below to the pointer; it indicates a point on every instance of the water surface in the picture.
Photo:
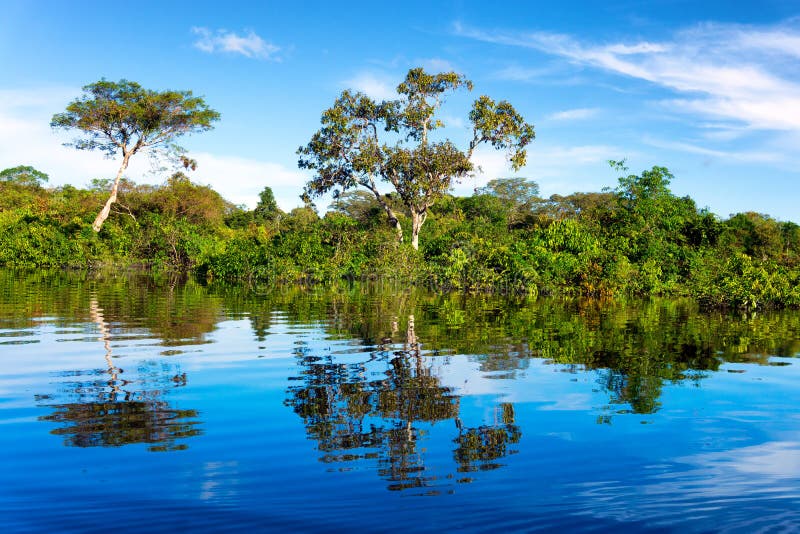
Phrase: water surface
(134, 402)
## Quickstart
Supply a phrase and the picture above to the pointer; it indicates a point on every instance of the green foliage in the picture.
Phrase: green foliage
(115, 116)
(23, 175)
(639, 240)
(267, 208)
(179, 198)
(363, 142)
(745, 283)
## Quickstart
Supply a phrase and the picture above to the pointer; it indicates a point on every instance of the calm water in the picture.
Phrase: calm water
(154, 404)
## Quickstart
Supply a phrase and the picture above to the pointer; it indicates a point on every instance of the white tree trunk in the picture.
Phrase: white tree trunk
(103, 215)
(393, 220)
(417, 220)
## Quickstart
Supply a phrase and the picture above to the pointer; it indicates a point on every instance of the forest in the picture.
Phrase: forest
(636, 238)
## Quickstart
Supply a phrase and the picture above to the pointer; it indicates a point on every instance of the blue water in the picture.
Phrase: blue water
(152, 406)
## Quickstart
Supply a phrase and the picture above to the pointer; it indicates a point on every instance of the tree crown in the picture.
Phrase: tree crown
(514, 191)
(349, 149)
(23, 175)
(123, 116)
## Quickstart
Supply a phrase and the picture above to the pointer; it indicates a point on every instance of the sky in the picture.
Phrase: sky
(710, 90)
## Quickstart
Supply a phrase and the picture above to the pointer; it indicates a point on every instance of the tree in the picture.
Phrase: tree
(122, 118)
(267, 208)
(23, 175)
(517, 195)
(359, 205)
(180, 198)
(514, 191)
(362, 141)
(651, 185)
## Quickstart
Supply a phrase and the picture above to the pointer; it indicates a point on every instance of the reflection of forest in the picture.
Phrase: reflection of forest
(634, 347)
(110, 411)
(353, 417)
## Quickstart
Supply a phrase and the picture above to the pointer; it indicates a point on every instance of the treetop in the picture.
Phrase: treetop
(348, 150)
(23, 175)
(123, 116)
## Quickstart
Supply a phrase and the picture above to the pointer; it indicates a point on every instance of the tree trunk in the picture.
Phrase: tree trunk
(103, 215)
(411, 334)
(417, 220)
(393, 220)
(396, 223)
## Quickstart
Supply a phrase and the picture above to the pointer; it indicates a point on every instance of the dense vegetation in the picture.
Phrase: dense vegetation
(637, 239)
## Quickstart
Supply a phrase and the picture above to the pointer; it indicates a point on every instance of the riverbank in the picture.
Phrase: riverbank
(606, 244)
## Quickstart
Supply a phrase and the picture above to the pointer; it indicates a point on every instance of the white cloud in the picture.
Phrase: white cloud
(435, 65)
(751, 156)
(738, 73)
(26, 139)
(573, 114)
(249, 44)
(240, 180)
(557, 169)
(373, 85)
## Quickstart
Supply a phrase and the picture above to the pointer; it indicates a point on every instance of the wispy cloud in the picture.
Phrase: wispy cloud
(557, 168)
(721, 72)
(374, 85)
(248, 44)
(516, 73)
(573, 114)
(750, 156)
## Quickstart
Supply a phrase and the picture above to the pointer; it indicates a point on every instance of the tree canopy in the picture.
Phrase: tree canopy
(123, 118)
(363, 142)
(267, 208)
(514, 191)
(23, 175)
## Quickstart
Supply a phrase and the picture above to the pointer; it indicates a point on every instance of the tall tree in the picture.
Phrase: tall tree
(363, 141)
(122, 118)
(267, 208)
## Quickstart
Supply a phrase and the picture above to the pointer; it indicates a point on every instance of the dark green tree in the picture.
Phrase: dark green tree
(362, 142)
(266, 209)
(123, 118)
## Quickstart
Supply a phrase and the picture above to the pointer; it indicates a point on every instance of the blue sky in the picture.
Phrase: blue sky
(709, 89)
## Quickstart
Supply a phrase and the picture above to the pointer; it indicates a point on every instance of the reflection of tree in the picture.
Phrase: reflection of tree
(478, 449)
(111, 424)
(354, 418)
(111, 412)
(408, 395)
(633, 348)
